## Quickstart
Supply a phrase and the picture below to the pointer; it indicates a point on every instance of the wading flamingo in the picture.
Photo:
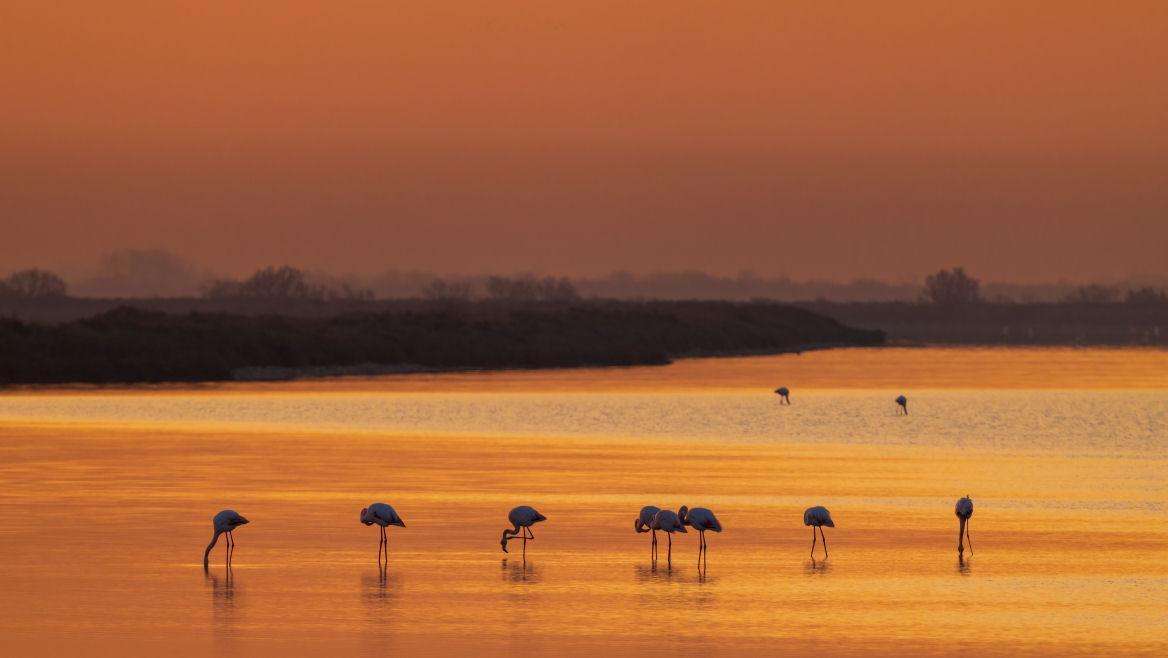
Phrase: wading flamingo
(224, 522)
(643, 523)
(700, 519)
(902, 403)
(669, 523)
(522, 517)
(784, 395)
(382, 515)
(964, 510)
(817, 517)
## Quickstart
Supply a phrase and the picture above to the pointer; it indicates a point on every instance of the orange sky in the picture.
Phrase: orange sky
(1026, 140)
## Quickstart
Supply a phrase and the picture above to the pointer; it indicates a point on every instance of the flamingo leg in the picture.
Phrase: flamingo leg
(813, 540)
(824, 542)
(669, 549)
(968, 538)
(654, 546)
(530, 534)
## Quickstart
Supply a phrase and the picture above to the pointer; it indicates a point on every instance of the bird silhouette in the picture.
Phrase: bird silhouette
(964, 510)
(224, 522)
(668, 522)
(784, 395)
(902, 404)
(522, 517)
(382, 515)
(700, 519)
(643, 523)
(817, 517)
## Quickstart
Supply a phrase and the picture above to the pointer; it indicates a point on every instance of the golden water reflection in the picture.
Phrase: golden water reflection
(107, 522)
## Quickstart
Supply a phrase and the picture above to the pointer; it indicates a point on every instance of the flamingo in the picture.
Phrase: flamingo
(902, 402)
(224, 522)
(383, 515)
(669, 523)
(644, 522)
(521, 517)
(700, 519)
(964, 510)
(784, 395)
(817, 517)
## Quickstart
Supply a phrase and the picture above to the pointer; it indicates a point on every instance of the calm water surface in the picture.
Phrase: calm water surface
(108, 495)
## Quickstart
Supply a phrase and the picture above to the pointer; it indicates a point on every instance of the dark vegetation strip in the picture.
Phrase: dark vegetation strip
(135, 345)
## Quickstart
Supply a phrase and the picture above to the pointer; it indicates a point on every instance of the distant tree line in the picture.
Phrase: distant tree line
(156, 273)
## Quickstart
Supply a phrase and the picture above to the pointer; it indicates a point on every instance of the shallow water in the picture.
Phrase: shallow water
(109, 493)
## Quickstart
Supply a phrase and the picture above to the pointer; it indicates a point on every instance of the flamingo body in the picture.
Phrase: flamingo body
(225, 522)
(644, 522)
(522, 517)
(964, 510)
(700, 519)
(382, 515)
(668, 522)
(817, 517)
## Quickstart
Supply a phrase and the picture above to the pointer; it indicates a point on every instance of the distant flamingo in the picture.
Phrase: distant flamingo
(669, 523)
(964, 510)
(521, 517)
(700, 519)
(643, 523)
(902, 402)
(382, 515)
(817, 517)
(784, 395)
(224, 522)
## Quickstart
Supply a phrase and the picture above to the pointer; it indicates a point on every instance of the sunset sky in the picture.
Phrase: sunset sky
(1025, 140)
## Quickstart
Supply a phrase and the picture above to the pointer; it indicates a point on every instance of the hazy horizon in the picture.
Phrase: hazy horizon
(817, 142)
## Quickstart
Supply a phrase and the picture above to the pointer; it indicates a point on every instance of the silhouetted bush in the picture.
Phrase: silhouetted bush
(531, 289)
(449, 291)
(1092, 294)
(33, 284)
(952, 288)
(1146, 297)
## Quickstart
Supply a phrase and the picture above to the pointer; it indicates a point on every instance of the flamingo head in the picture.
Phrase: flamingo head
(503, 542)
(365, 516)
(683, 515)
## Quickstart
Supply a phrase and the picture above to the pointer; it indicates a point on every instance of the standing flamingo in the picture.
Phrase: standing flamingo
(817, 517)
(521, 517)
(224, 522)
(669, 523)
(902, 403)
(700, 519)
(964, 510)
(784, 395)
(643, 524)
(383, 515)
